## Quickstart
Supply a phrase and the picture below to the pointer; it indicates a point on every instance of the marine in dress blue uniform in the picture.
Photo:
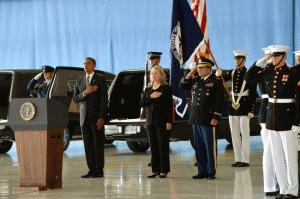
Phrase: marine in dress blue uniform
(240, 109)
(283, 117)
(270, 183)
(206, 108)
(38, 86)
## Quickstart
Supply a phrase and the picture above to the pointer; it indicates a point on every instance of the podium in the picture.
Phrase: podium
(39, 125)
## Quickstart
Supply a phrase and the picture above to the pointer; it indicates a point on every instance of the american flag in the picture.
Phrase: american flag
(199, 10)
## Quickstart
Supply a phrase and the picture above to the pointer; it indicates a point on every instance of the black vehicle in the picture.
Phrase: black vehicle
(13, 84)
(124, 98)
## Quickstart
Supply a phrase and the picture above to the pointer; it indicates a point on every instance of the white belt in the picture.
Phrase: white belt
(245, 93)
(264, 96)
(275, 100)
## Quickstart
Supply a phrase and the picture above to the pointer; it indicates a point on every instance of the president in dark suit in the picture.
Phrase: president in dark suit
(91, 94)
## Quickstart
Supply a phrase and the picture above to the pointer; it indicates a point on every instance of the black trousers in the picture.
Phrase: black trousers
(93, 140)
(159, 142)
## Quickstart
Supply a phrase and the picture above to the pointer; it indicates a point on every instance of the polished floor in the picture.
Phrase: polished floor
(125, 175)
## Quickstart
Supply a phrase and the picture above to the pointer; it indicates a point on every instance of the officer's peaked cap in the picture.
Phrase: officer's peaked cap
(297, 53)
(204, 62)
(154, 55)
(47, 68)
(240, 54)
(277, 50)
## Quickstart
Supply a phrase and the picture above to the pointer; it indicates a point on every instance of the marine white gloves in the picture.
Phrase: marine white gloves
(296, 129)
(218, 72)
(38, 76)
(250, 115)
(262, 61)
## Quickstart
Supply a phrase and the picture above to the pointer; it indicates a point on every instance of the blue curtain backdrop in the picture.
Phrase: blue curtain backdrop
(119, 33)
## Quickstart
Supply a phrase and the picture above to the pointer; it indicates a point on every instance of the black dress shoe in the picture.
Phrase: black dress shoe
(235, 164)
(243, 164)
(280, 196)
(289, 196)
(97, 175)
(153, 175)
(149, 164)
(163, 175)
(275, 193)
(211, 176)
(89, 174)
(200, 176)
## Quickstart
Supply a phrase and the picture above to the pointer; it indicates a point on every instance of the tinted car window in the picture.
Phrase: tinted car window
(5, 82)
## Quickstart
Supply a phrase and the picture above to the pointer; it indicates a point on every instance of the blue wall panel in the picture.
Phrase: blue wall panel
(119, 33)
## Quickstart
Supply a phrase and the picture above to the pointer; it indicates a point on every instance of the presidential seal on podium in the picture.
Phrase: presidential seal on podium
(27, 111)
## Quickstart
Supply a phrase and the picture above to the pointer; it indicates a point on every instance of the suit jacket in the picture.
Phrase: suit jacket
(94, 105)
(159, 110)
(38, 85)
(207, 99)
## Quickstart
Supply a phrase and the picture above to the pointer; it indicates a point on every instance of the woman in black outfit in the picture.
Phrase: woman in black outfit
(157, 101)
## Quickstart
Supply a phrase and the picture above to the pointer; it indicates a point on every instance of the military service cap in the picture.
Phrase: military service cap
(154, 55)
(240, 54)
(297, 53)
(47, 68)
(277, 50)
(204, 62)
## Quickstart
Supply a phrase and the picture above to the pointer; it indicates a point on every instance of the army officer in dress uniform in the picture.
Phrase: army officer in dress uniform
(270, 182)
(206, 109)
(240, 109)
(38, 86)
(283, 118)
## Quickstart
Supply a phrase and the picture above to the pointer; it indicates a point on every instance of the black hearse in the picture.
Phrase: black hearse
(124, 97)
(13, 84)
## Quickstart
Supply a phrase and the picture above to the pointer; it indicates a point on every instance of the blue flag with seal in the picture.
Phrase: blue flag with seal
(186, 38)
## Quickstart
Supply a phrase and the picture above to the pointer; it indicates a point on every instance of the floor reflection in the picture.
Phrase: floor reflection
(243, 184)
(125, 175)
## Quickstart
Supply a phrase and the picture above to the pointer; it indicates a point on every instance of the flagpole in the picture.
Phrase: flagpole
(222, 78)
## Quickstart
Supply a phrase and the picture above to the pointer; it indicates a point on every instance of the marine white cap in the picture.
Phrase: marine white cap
(267, 51)
(297, 53)
(278, 49)
(240, 53)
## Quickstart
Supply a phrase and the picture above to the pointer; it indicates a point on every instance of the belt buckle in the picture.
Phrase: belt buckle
(275, 100)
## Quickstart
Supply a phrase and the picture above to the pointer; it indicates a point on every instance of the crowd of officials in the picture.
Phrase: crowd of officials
(279, 114)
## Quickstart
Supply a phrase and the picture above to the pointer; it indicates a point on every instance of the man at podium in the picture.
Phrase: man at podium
(91, 95)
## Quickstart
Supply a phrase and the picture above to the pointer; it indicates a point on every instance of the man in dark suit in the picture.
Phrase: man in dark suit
(91, 94)
(37, 86)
